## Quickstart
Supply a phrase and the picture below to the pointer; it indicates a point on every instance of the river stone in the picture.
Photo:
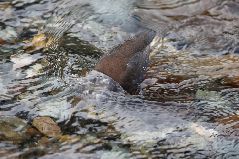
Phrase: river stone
(47, 126)
(13, 129)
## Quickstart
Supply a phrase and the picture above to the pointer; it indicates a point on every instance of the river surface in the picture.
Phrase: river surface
(188, 106)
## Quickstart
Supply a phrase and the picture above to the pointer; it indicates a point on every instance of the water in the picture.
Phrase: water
(188, 104)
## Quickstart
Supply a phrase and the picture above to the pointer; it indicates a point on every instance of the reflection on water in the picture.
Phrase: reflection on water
(188, 105)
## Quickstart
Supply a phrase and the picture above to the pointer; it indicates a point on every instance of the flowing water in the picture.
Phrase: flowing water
(188, 106)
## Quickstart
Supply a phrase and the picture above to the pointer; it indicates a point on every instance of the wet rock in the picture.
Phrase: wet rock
(5, 5)
(33, 132)
(229, 124)
(44, 141)
(13, 129)
(1, 41)
(231, 121)
(47, 126)
(39, 41)
(69, 139)
(181, 73)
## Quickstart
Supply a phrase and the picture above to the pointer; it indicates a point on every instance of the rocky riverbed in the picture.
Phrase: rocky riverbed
(54, 105)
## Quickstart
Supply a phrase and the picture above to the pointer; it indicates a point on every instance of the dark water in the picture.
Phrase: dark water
(188, 105)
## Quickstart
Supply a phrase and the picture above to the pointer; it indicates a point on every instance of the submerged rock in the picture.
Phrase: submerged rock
(13, 129)
(47, 126)
(1, 41)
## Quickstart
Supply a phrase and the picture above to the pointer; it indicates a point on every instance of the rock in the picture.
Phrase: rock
(13, 129)
(1, 41)
(229, 124)
(33, 132)
(44, 141)
(231, 121)
(39, 41)
(47, 126)
(5, 5)
(69, 139)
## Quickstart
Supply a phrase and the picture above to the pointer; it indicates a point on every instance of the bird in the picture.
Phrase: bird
(127, 62)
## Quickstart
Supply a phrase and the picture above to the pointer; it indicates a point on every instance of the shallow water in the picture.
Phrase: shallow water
(188, 104)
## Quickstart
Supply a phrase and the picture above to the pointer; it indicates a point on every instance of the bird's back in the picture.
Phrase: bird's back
(126, 63)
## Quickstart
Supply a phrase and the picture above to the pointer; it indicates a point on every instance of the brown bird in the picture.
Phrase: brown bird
(127, 63)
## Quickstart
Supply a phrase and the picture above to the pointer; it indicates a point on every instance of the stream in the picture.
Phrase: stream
(188, 104)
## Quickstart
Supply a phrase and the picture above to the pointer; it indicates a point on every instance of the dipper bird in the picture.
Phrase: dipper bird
(127, 63)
